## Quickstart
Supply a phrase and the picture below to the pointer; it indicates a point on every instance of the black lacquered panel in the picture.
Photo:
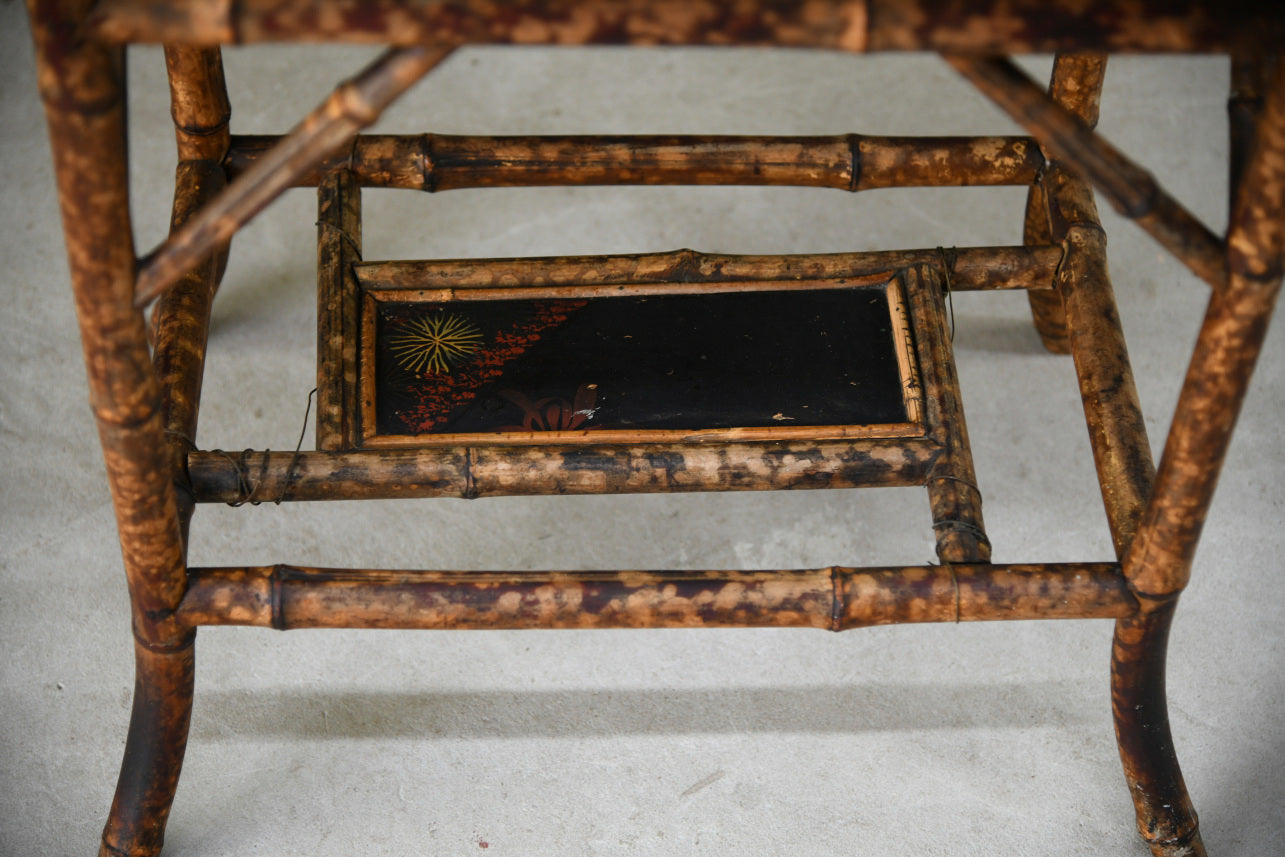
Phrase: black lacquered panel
(824, 357)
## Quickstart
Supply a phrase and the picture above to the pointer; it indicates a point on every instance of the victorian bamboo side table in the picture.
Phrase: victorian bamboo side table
(651, 373)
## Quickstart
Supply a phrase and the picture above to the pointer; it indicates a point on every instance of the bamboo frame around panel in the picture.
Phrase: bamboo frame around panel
(969, 269)
(980, 26)
(836, 598)
(338, 311)
(852, 162)
(1131, 190)
(351, 107)
(480, 471)
(899, 320)
(953, 495)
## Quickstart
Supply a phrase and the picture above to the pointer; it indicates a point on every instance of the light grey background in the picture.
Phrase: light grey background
(935, 740)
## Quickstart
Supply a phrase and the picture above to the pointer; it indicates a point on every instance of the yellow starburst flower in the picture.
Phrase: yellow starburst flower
(433, 343)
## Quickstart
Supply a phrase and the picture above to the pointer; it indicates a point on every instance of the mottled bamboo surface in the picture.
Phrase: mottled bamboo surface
(910, 740)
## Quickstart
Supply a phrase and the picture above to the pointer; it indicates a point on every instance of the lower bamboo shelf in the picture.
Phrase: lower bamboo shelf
(526, 365)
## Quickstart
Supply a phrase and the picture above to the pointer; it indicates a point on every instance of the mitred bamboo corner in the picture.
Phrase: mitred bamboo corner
(146, 400)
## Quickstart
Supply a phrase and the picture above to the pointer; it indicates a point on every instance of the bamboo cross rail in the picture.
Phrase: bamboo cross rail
(851, 162)
(836, 598)
(969, 269)
(352, 106)
(492, 471)
(1131, 189)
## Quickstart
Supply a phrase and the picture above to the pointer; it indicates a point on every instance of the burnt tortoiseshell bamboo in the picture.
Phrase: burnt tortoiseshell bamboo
(953, 495)
(1132, 190)
(353, 106)
(969, 269)
(1076, 84)
(980, 26)
(484, 471)
(1117, 430)
(434, 162)
(835, 599)
(1231, 337)
(146, 402)
(338, 250)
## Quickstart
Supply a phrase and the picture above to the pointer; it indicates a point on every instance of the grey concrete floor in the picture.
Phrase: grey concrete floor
(976, 739)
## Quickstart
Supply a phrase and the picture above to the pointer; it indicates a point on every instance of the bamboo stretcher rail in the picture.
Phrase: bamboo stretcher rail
(1112, 410)
(851, 162)
(477, 471)
(981, 26)
(1131, 190)
(353, 106)
(969, 269)
(1231, 337)
(836, 598)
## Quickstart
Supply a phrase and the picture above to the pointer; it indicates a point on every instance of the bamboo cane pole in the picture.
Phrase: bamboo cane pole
(181, 321)
(84, 104)
(1076, 84)
(981, 26)
(478, 471)
(836, 598)
(1166, 818)
(1159, 563)
(954, 498)
(154, 749)
(970, 269)
(851, 162)
(1132, 191)
(198, 102)
(338, 309)
(82, 88)
(352, 106)
(181, 318)
(1112, 411)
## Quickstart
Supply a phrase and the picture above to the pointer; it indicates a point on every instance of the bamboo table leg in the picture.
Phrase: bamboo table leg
(82, 87)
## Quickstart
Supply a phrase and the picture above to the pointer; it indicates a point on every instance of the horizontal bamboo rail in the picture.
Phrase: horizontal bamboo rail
(353, 106)
(982, 26)
(287, 597)
(1131, 190)
(968, 269)
(477, 471)
(852, 162)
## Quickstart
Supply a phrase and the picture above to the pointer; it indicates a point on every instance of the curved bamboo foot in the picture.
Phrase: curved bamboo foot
(153, 751)
(1166, 818)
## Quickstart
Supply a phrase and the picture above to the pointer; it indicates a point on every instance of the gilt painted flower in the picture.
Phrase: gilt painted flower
(434, 343)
